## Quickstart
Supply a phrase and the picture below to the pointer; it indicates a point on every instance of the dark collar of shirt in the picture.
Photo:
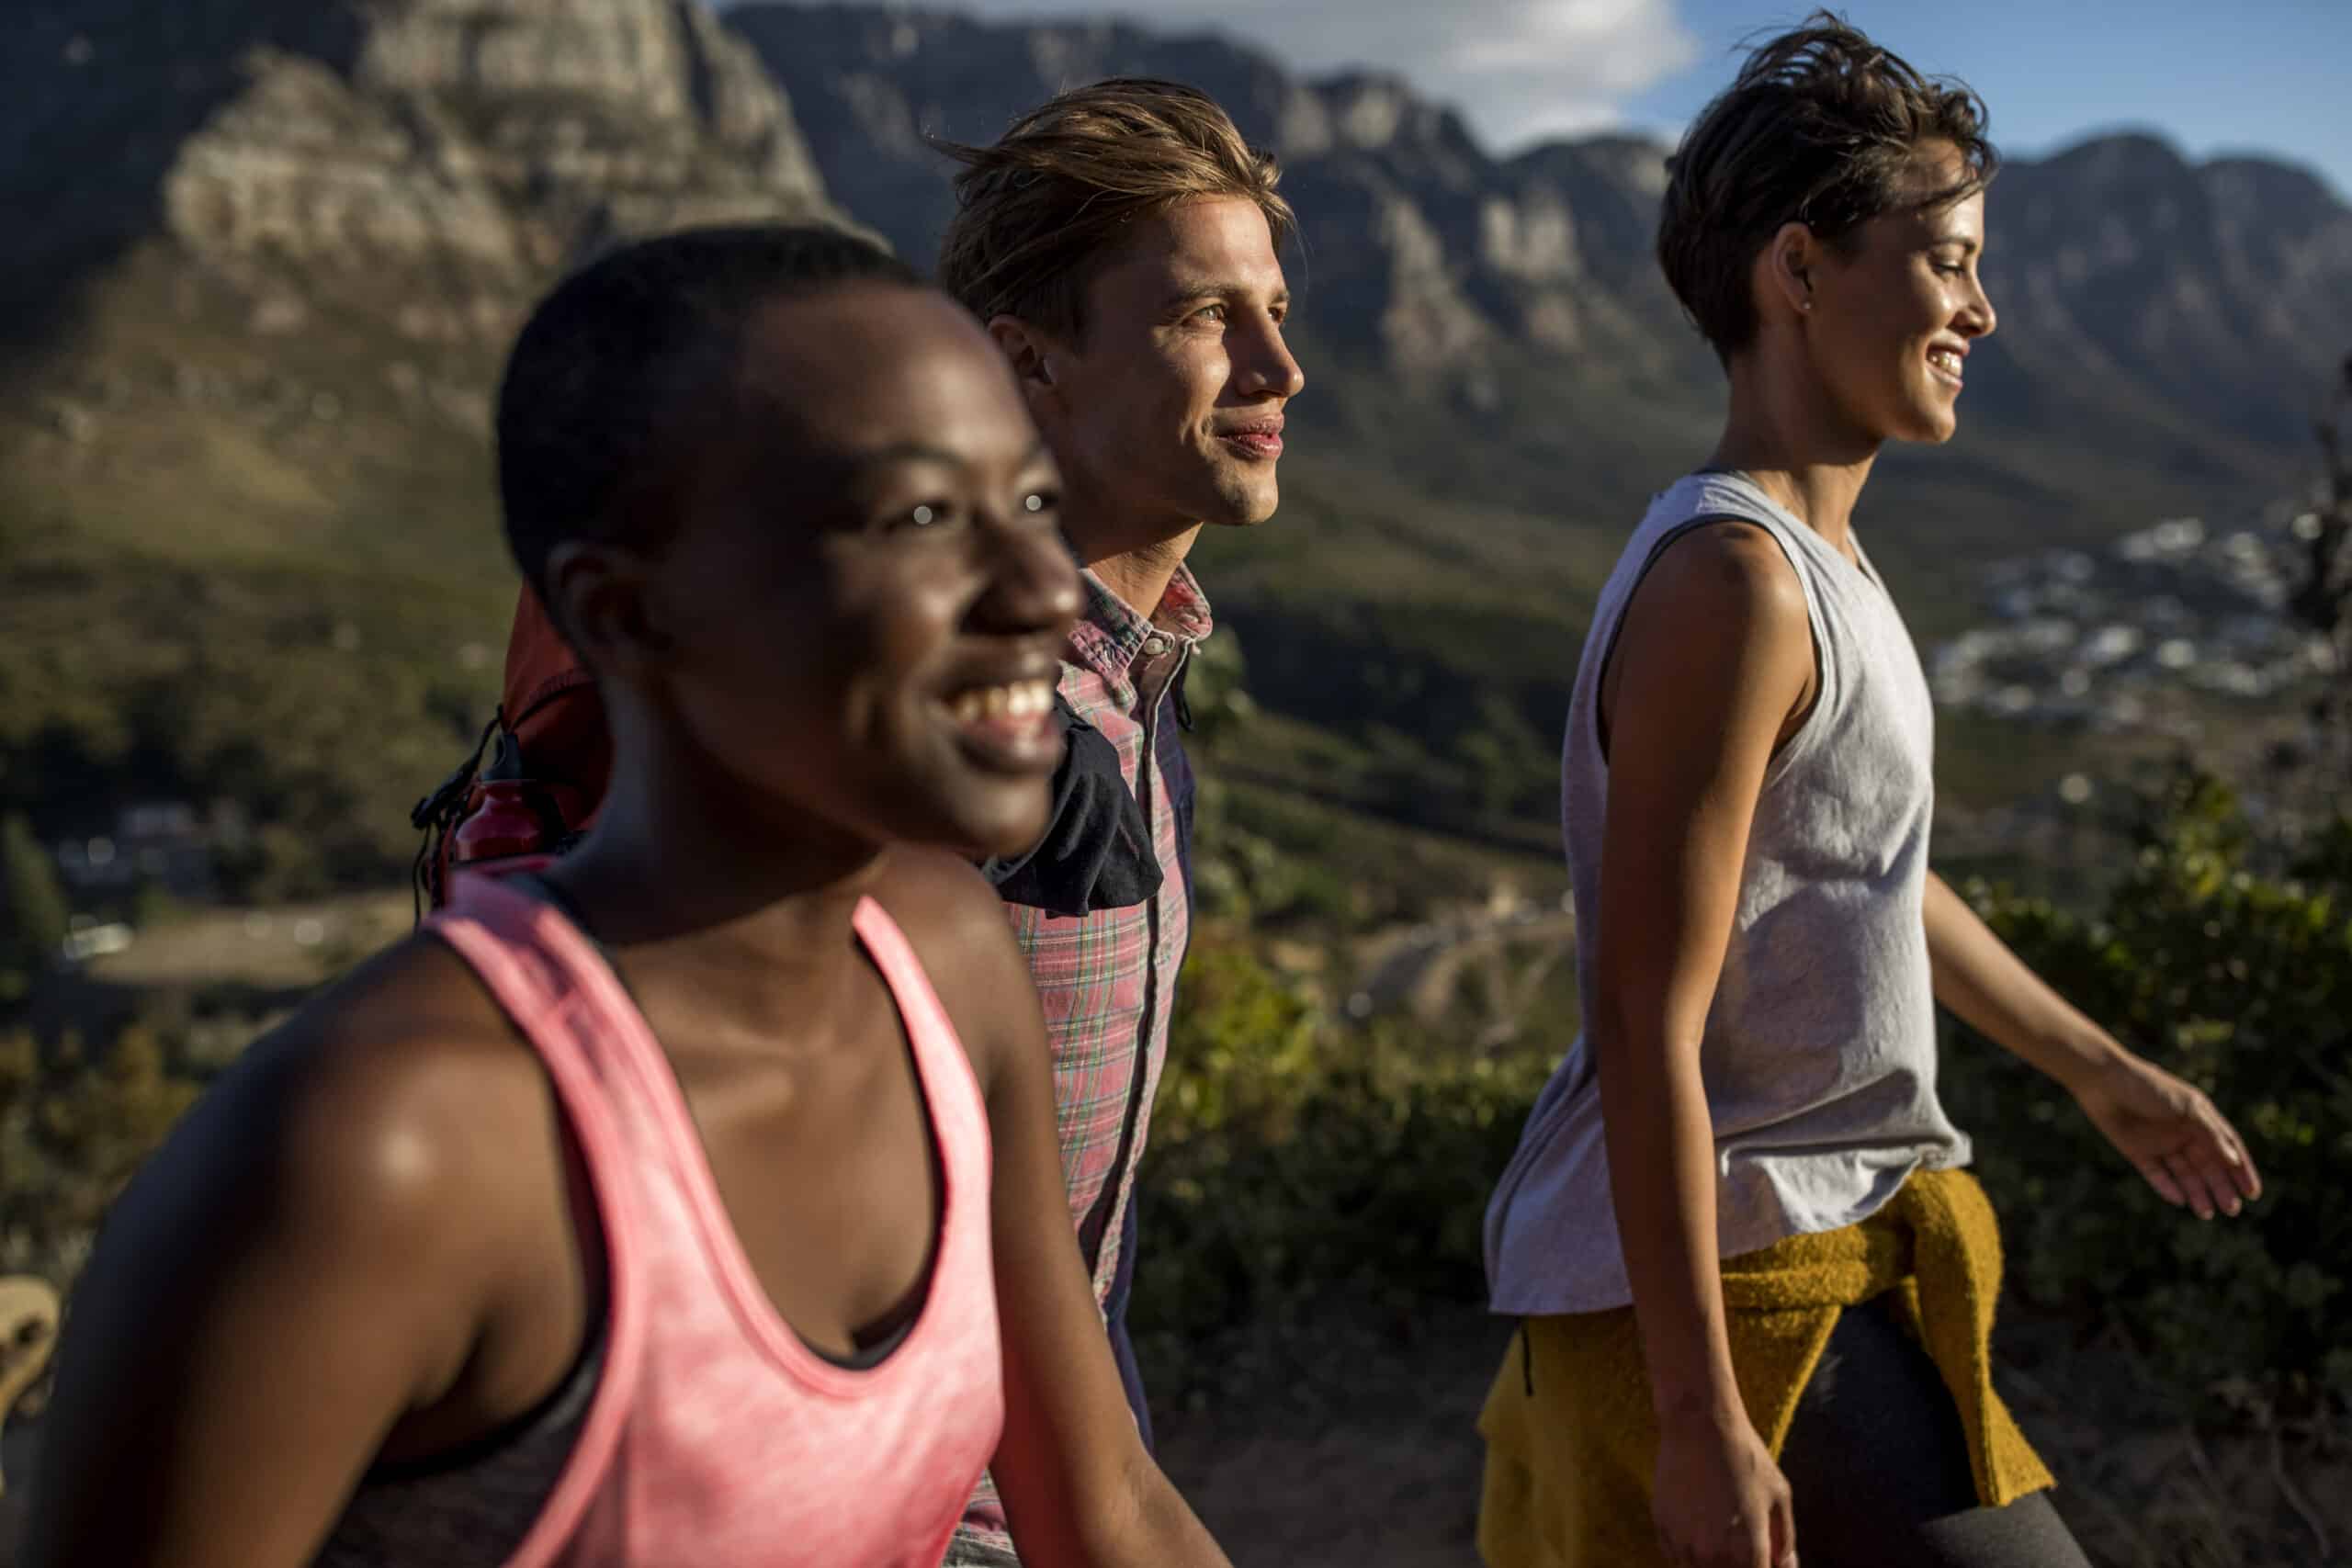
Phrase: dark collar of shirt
(1097, 850)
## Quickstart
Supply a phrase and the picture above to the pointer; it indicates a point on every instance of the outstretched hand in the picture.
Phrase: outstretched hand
(2170, 1130)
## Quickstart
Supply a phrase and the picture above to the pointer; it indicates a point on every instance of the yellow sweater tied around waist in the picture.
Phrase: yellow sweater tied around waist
(1571, 1438)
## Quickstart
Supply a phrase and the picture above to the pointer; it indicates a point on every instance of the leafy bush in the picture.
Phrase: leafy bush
(1293, 1161)
(73, 1130)
(2242, 983)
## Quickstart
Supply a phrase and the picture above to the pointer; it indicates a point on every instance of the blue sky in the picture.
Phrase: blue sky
(2267, 75)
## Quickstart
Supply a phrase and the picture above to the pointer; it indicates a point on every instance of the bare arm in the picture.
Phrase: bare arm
(1078, 1487)
(1080, 1490)
(1992, 990)
(2185, 1148)
(282, 1283)
(1714, 657)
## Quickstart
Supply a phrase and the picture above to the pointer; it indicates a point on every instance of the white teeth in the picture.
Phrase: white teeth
(1945, 360)
(1022, 699)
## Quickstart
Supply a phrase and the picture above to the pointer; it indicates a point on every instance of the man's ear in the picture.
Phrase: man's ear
(1029, 350)
(1788, 264)
(602, 600)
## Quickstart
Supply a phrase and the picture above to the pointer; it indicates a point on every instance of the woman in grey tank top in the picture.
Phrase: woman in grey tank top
(1747, 790)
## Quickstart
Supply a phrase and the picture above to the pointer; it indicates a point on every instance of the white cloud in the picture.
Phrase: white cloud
(1516, 69)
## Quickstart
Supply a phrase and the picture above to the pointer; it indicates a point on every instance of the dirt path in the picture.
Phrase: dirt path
(1364, 1453)
(1367, 1456)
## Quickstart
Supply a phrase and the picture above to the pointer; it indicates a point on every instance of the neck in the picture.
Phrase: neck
(684, 858)
(1140, 578)
(1135, 559)
(1787, 433)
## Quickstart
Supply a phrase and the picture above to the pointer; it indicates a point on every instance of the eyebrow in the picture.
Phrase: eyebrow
(1206, 291)
(1968, 243)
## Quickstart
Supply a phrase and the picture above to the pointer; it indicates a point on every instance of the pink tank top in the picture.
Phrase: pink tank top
(715, 1435)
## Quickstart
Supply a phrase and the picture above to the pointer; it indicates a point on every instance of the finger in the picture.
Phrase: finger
(2161, 1179)
(1784, 1532)
(2209, 1158)
(2243, 1174)
(2184, 1176)
(2249, 1178)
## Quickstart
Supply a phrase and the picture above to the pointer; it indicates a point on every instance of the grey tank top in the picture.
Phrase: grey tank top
(1818, 1054)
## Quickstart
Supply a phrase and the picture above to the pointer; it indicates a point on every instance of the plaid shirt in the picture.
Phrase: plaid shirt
(1108, 980)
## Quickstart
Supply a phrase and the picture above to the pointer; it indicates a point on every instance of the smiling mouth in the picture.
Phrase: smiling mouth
(1007, 727)
(1258, 441)
(1946, 364)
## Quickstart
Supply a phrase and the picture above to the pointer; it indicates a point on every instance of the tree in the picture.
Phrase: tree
(34, 919)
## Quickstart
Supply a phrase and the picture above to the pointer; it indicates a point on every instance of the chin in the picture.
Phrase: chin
(1925, 426)
(1245, 505)
(1001, 835)
(974, 816)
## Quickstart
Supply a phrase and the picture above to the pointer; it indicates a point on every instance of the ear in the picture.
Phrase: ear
(1031, 353)
(1788, 261)
(602, 599)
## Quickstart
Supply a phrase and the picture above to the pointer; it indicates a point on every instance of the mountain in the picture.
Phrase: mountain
(281, 243)
(1417, 244)
(273, 251)
(2165, 326)
(268, 256)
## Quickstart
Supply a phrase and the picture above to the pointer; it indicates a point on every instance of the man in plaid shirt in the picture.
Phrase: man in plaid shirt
(1121, 242)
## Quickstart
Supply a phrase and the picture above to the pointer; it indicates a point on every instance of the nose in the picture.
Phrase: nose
(1033, 582)
(1978, 319)
(1264, 363)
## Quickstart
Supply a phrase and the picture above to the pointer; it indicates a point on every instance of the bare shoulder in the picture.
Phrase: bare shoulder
(389, 1112)
(1717, 635)
(318, 1252)
(948, 909)
(1724, 577)
(958, 926)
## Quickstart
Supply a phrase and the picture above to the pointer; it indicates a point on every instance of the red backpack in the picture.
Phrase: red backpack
(546, 772)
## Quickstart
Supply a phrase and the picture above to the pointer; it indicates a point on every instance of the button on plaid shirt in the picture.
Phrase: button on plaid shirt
(1108, 980)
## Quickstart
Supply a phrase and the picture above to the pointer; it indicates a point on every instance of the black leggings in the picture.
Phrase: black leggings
(1878, 1463)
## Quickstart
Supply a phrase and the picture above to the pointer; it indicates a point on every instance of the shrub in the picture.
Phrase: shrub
(72, 1132)
(1294, 1162)
(2242, 983)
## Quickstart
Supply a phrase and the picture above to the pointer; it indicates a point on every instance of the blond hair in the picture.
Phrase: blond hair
(1038, 212)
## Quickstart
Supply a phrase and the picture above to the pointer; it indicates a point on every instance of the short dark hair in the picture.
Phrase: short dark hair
(1038, 209)
(630, 354)
(1819, 128)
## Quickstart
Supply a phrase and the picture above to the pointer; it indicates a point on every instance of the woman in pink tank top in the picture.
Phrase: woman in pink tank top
(695, 1200)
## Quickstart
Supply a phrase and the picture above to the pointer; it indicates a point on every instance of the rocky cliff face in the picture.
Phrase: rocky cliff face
(273, 250)
(332, 148)
(2223, 289)
(263, 207)
(1419, 248)
(2143, 301)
